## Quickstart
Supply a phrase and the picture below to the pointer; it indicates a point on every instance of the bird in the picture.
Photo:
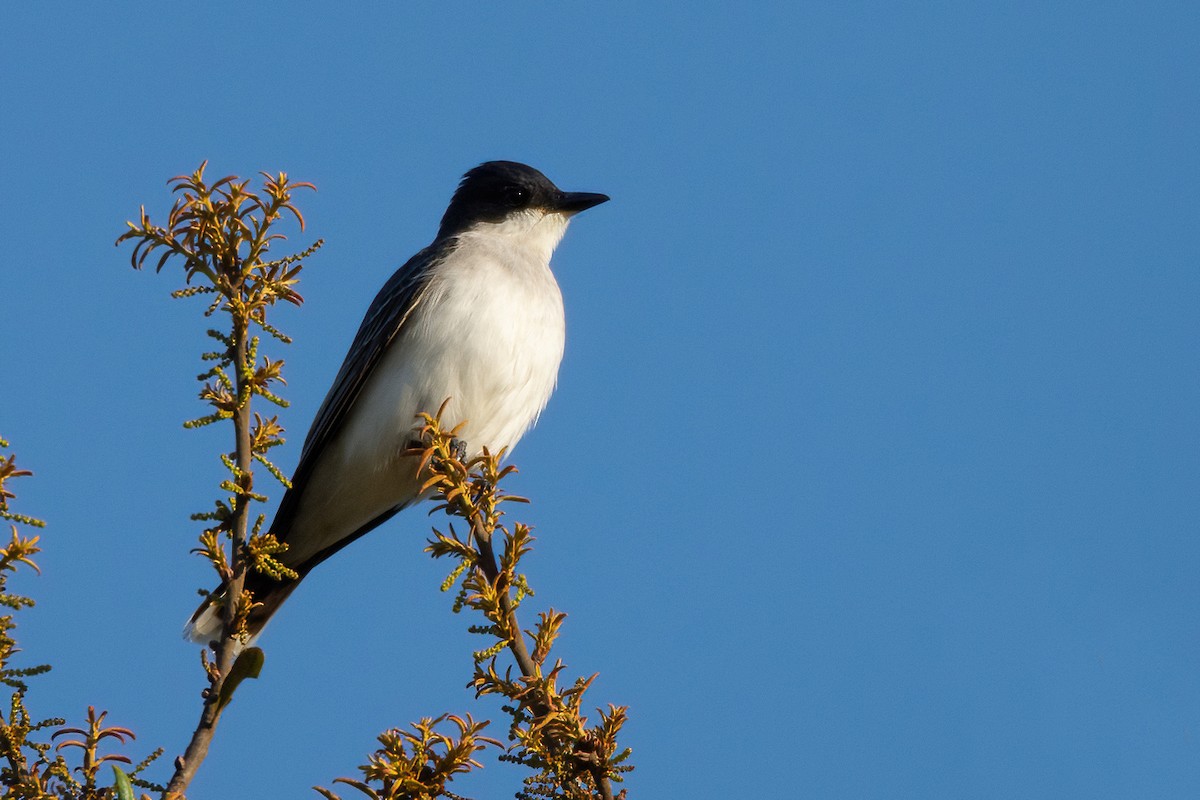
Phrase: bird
(475, 321)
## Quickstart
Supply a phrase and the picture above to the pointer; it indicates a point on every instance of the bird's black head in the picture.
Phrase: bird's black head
(495, 189)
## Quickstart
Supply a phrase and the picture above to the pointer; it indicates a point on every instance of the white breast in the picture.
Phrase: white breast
(488, 335)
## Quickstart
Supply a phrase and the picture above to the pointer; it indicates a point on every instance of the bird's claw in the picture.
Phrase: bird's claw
(458, 452)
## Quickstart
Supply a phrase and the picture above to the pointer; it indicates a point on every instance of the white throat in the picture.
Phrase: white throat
(533, 231)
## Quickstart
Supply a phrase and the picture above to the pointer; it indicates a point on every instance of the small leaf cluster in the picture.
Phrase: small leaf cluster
(88, 742)
(417, 764)
(548, 730)
(30, 768)
(222, 233)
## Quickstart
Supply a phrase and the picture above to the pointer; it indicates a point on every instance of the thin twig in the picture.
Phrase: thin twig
(516, 644)
(222, 232)
(226, 648)
(516, 639)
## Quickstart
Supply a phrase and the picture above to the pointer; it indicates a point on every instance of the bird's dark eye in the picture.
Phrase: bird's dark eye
(516, 196)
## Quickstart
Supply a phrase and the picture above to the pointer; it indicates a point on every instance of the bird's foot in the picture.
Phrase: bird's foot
(420, 447)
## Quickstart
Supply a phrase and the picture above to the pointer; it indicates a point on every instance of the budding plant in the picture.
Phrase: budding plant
(221, 235)
(34, 767)
(547, 730)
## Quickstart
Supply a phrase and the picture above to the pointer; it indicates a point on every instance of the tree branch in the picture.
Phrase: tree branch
(222, 232)
(551, 735)
(227, 647)
(516, 645)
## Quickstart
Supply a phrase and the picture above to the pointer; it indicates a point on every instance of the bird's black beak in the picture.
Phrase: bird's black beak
(574, 202)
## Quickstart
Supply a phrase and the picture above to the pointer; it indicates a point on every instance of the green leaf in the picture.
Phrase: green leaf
(122, 785)
(249, 664)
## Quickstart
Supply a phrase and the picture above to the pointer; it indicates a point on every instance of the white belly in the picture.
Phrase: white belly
(488, 335)
(488, 338)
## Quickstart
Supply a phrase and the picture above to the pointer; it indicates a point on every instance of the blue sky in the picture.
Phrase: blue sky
(873, 468)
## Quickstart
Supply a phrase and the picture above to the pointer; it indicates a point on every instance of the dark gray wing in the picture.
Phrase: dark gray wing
(384, 320)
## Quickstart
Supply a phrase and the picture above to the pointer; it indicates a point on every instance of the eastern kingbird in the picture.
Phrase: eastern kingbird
(476, 318)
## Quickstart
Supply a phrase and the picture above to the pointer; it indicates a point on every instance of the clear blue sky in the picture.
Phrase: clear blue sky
(874, 467)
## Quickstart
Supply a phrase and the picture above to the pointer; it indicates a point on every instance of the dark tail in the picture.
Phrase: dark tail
(268, 593)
